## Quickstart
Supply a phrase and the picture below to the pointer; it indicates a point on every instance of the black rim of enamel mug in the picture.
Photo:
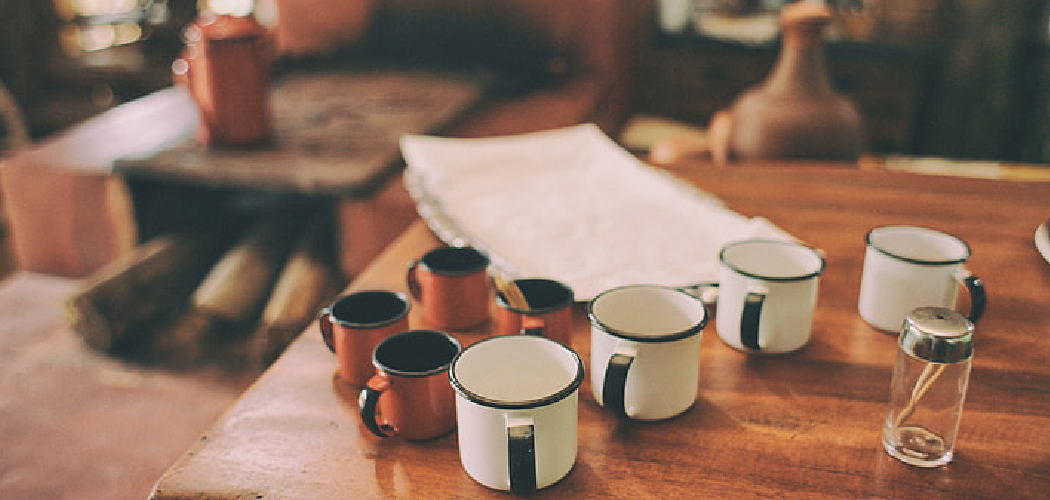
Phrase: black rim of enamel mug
(333, 316)
(448, 261)
(527, 284)
(667, 337)
(516, 405)
(391, 341)
(919, 262)
(779, 279)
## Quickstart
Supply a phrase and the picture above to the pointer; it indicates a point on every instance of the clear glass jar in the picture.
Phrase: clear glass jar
(932, 371)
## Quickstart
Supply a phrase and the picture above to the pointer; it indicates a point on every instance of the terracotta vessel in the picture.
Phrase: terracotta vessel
(795, 113)
(226, 66)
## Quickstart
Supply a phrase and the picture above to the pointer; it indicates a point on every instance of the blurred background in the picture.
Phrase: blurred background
(964, 79)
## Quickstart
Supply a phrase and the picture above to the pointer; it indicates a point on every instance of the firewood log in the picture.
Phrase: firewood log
(123, 302)
(232, 295)
(309, 278)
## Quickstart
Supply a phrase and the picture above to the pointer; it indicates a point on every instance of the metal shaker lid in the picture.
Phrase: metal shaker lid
(938, 335)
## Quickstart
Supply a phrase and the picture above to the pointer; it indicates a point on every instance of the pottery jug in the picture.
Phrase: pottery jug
(226, 67)
(795, 113)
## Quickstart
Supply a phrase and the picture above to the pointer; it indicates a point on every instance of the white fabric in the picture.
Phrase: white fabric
(571, 205)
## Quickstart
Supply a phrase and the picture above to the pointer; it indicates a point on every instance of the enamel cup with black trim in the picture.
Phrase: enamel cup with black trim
(767, 295)
(452, 284)
(549, 313)
(906, 267)
(355, 323)
(410, 395)
(645, 350)
(516, 410)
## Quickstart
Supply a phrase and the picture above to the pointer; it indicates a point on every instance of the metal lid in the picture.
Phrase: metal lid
(937, 334)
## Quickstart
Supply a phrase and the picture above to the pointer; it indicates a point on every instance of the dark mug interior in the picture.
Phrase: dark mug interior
(416, 353)
(369, 309)
(455, 260)
(542, 294)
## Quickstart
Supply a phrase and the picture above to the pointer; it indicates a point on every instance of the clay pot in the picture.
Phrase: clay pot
(795, 113)
(226, 67)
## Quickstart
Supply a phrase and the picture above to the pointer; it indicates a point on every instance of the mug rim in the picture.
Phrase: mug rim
(466, 271)
(925, 231)
(503, 404)
(780, 279)
(416, 374)
(358, 325)
(695, 329)
(501, 301)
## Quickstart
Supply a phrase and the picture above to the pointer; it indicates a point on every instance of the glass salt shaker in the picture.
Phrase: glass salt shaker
(930, 377)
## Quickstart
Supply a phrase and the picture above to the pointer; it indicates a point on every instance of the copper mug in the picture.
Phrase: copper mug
(354, 324)
(410, 395)
(226, 67)
(453, 286)
(549, 313)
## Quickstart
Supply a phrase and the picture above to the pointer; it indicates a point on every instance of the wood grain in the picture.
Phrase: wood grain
(800, 426)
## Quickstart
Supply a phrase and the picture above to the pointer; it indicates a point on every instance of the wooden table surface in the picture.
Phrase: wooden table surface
(804, 425)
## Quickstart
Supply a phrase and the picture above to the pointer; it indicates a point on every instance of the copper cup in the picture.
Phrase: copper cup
(410, 395)
(549, 313)
(452, 285)
(354, 324)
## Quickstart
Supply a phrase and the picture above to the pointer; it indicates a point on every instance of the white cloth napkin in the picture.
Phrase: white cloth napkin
(571, 205)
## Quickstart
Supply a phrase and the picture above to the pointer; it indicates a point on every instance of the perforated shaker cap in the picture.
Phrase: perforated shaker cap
(938, 335)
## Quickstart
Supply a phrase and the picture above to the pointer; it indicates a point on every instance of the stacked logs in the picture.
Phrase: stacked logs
(206, 297)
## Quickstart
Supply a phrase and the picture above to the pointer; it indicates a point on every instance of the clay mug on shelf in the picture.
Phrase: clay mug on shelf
(410, 396)
(226, 67)
(452, 285)
(354, 324)
(645, 350)
(549, 311)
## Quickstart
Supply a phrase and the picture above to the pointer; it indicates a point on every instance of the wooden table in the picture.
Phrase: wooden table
(804, 425)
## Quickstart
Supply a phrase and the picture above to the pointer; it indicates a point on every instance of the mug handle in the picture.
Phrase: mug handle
(706, 291)
(412, 281)
(521, 454)
(978, 297)
(533, 325)
(751, 316)
(325, 322)
(615, 382)
(367, 401)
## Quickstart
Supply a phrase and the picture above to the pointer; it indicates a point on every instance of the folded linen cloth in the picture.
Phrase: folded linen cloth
(572, 205)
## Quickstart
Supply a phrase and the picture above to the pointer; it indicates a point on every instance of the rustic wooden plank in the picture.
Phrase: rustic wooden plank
(335, 132)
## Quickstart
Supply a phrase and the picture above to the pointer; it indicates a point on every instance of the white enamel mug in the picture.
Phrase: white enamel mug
(767, 293)
(516, 411)
(645, 350)
(906, 267)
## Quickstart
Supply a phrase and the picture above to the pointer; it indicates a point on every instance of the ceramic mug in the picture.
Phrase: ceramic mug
(906, 267)
(645, 350)
(516, 404)
(226, 68)
(452, 284)
(354, 324)
(767, 295)
(410, 395)
(549, 313)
